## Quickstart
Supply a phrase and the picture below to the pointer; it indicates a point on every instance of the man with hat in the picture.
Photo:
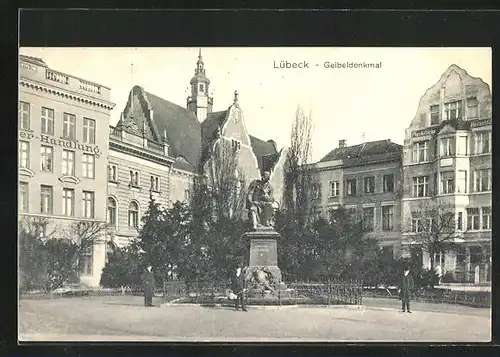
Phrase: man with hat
(405, 288)
(239, 289)
(148, 285)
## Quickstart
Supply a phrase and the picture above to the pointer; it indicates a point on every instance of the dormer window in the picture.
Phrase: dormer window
(201, 88)
(453, 110)
(434, 114)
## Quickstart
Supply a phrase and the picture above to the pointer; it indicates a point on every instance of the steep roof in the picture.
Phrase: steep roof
(265, 151)
(181, 126)
(210, 125)
(365, 152)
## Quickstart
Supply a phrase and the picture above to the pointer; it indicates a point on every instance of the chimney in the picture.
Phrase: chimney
(342, 143)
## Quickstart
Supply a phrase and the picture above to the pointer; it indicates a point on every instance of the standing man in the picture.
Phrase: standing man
(405, 289)
(239, 289)
(148, 285)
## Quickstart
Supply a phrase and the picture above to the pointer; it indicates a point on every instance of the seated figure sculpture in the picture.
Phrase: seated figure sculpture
(260, 202)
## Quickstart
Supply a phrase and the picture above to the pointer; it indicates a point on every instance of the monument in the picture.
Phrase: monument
(263, 276)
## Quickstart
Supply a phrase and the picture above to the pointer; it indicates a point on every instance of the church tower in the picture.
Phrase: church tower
(199, 102)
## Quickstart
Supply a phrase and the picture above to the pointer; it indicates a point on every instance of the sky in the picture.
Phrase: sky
(345, 103)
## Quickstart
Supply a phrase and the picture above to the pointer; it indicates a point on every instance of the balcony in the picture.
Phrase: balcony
(41, 73)
(121, 135)
(115, 132)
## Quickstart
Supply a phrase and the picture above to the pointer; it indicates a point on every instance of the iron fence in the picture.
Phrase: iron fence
(323, 293)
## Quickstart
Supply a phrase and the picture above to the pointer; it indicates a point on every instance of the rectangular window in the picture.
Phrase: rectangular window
(387, 218)
(434, 114)
(472, 218)
(463, 145)
(69, 126)
(369, 183)
(421, 151)
(88, 131)
(486, 217)
(187, 195)
(85, 260)
(68, 163)
(472, 108)
(24, 154)
(368, 218)
(447, 182)
(421, 186)
(88, 170)
(416, 222)
(483, 142)
(447, 147)
(88, 204)
(334, 188)
(23, 197)
(460, 221)
(46, 199)
(462, 181)
(47, 158)
(351, 187)
(47, 116)
(453, 110)
(24, 115)
(388, 183)
(68, 208)
(483, 180)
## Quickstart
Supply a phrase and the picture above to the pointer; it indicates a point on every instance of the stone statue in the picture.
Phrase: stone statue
(260, 202)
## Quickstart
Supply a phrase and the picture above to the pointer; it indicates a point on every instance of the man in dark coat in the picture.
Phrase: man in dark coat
(405, 289)
(148, 285)
(239, 289)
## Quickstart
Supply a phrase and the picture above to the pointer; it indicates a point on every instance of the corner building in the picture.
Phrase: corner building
(63, 148)
(447, 162)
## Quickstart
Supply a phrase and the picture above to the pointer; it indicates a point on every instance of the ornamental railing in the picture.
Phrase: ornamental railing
(322, 293)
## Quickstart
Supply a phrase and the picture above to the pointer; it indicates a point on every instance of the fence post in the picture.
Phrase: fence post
(279, 297)
(328, 292)
(213, 293)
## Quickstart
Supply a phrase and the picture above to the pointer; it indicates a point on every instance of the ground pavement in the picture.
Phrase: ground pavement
(123, 318)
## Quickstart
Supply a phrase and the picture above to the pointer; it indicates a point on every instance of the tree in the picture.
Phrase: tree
(49, 260)
(226, 180)
(32, 260)
(298, 175)
(433, 229)
(122, 268)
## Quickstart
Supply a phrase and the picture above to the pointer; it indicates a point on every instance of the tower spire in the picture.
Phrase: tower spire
(199, 64)
(132, 90)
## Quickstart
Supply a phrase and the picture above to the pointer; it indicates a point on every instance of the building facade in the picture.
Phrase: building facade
(158, 148)
(447, 164)
(366, 180)
(63, 148)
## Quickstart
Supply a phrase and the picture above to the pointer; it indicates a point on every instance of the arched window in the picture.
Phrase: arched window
(133, 215)
(111, 217)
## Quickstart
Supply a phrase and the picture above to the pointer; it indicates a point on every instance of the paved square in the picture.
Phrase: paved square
(123, 318)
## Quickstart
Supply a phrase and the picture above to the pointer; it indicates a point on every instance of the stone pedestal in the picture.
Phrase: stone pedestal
(263, 276)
